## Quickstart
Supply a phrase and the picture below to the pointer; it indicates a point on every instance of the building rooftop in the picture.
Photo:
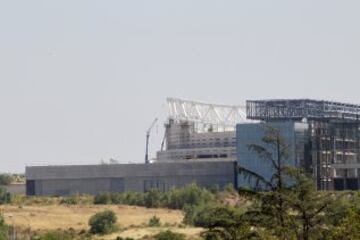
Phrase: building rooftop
(297, 109)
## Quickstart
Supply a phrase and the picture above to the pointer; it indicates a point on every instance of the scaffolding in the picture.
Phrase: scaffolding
(298, 109)
(205, 116)
(333, 154)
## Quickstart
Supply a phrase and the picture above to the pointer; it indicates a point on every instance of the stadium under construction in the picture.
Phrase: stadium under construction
(204, 143)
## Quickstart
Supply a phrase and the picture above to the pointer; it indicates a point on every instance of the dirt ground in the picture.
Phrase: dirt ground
(132, 220)
(137, 233)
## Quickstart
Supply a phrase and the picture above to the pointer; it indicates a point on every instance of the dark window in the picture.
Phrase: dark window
(339, 184)
(30, 187)
(352, 184)
(154, 184)
(117, 185)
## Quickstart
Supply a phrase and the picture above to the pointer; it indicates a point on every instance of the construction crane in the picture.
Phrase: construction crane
(147, 140)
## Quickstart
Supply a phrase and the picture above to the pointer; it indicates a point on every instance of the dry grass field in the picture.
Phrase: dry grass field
(138, 233)
(132, 220)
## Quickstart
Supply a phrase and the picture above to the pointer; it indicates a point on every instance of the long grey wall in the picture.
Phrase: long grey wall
(91, 179)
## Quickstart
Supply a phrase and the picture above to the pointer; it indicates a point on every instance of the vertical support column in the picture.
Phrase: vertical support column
(327, 143)
(357, 150)
(318, 157)
(343, 151)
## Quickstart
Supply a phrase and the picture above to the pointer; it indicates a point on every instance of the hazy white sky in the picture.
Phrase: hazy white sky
(83, 80)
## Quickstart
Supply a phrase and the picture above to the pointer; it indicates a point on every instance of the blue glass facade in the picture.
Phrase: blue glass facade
(294, 133)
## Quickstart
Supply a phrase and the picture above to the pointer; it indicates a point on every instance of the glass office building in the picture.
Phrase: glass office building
(295, 134)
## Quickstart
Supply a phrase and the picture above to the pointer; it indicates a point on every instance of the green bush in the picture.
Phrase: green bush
(189, 214)
(5, 196)
(152, 199)
(348, 228)
(230, 188)
(190, 195)
(154, 222)
(128, 198)
(55, 235)
(5, 179)
(5, 230)
(221, 222)
(176, 198)
(214, 189)
(169, 235)
(103, 222)
(76, 199)
(210, 236)
(102, 198)
(121, 238)
(71, 200)
(133, 199)
(2, 221)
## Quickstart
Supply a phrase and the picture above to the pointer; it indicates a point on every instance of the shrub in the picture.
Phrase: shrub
(5, 196)
(116, 198)
(230, 188)
(71, 200)
(189, 195)
(4, 229)
(133, 198)
(152, 199)
(76, 199)
(214, 189)
(102, 198)
(103, 222)
(2, 221)
(154, 222)
(221, 222)
(169, 235)
(5, 179)
(176, 198)
(189, 214)
(55, 235)
(349, 227)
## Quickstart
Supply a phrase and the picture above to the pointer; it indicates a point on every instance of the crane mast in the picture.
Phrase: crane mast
(147, 140)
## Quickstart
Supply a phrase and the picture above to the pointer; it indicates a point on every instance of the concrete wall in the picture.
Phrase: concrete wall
(91, 179)
(15, 188)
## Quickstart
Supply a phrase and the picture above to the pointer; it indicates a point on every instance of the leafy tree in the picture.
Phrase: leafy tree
(308, 206)
(273, 210)
(349, 227)
(103, 222)
(291, 208)
(224, 223)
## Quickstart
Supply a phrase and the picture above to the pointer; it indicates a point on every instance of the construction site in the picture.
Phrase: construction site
(204, 143)
(332, 142)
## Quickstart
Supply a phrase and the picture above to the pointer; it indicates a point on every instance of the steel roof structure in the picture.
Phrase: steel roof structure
(223, 117)
(297, 109)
